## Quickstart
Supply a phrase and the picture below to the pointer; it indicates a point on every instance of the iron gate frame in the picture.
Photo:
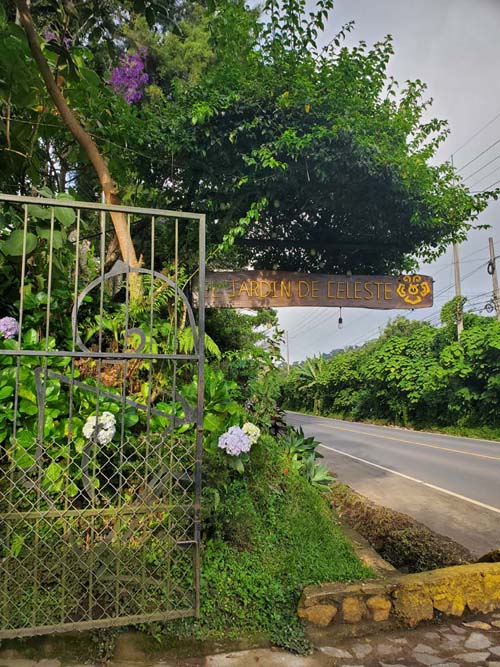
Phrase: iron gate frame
(197, 358)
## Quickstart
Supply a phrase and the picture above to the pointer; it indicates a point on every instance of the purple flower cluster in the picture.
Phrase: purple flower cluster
(50, 36)
(9, 327)
(235, 441)
(129, 78)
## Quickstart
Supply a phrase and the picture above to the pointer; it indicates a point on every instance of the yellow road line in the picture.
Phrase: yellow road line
(417, 444)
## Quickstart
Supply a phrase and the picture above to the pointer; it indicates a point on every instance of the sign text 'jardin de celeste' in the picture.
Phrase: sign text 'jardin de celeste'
(278, 289)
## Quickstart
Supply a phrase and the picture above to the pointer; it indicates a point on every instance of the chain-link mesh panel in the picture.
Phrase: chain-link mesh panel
(100, 432)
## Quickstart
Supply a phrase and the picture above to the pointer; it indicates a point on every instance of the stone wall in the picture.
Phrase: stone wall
(402, 600)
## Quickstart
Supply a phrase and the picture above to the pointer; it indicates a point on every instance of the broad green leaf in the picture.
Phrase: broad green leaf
(66, 216)
(22, 457)
(213, 423)
(30, 337)
(53, 472)
(14, 244)
(28, 408)
(58, 237)
(5, 392)
(39, 212)
(236, 463)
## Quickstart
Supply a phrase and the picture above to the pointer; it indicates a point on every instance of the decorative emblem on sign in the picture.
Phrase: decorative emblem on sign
(413, 289)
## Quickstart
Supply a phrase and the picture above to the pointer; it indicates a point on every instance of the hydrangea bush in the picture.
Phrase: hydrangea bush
(101, 428)
(252, 431)
(235, 441)
(9, 328)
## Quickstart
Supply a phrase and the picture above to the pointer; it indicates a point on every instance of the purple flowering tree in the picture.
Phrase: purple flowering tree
(86, 141)
(129, 78)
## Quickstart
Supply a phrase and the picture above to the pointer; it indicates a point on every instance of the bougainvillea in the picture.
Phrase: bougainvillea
(129, 78)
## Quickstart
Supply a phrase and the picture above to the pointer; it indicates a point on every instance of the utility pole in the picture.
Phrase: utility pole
(458, 290)
(492, 270)
(287, 353)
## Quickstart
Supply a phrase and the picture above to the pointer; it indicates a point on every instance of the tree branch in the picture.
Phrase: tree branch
(81, 135)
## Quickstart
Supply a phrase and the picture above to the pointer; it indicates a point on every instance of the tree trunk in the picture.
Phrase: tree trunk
(87, 143)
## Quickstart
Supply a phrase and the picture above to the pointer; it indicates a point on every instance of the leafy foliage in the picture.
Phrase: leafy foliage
(302, 456)
(243, 117)
(270, 535)
(413, 373)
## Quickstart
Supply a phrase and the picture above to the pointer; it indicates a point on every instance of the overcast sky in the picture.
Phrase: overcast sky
(454, 46)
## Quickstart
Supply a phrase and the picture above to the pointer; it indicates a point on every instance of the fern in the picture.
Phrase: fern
(185, 343)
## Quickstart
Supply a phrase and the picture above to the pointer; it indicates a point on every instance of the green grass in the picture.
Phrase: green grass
(272, 535)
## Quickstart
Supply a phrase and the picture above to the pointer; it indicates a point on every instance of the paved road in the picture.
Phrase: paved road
(450, 484)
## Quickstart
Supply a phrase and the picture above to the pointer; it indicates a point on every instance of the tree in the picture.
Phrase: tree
(85, 140)
(314, 155)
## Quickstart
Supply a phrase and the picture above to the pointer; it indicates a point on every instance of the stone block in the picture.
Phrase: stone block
(448, 596)
(413, 605)
(321, 614)
(380, 607)
(353, 610)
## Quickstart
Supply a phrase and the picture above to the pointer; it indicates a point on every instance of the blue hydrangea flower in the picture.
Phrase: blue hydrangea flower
(9, 327)
(235, 441)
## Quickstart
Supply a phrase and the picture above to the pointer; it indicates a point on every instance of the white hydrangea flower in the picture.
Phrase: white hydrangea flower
(252, 431)
(235, 442)
(103, 428)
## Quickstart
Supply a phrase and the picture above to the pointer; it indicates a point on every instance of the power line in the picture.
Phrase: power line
(327, 319)
(483, 178)
(477, 133)
(479, 155)
(93, 134)
(481, 168)
(304, 324)
(491, 186)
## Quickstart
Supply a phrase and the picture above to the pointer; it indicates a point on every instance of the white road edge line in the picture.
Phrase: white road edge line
(414, 479)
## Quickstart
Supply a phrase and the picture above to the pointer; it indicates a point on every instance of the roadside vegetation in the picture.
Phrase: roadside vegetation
(401, 540)
(220, 109)
(414, 375)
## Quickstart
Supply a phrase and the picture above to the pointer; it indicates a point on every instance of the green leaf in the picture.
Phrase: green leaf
(22, 457)
(213, 423)
(39, 212)
(53, 472)
(72, 490)
(14, 244)
(58, 237)
(28, 408)
(5, 392)
(237, 464)
(30, 338)
(66, 216)
(16, 545)
(131, 418)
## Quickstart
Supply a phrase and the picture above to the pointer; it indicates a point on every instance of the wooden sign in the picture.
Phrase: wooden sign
(279, 289)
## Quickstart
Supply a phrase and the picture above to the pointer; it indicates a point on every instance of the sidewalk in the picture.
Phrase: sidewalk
(473, 642)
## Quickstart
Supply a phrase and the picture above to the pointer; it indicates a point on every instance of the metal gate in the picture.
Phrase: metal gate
(101, 414)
